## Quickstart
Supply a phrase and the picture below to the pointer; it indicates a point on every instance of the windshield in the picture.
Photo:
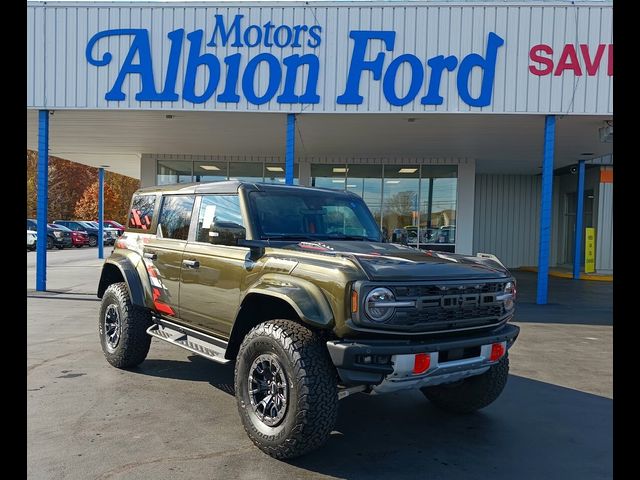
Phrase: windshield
(88, 224)
(113, 223)
(58, 227)
(312, 215)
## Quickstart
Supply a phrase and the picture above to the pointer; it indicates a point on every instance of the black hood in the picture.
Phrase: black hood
(391, 261)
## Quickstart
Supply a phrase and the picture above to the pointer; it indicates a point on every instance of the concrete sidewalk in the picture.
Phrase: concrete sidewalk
(175, 416)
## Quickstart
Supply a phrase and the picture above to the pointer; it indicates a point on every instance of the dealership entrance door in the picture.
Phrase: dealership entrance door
(570, 206)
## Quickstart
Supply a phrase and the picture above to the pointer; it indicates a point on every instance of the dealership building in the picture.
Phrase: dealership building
(466, 126)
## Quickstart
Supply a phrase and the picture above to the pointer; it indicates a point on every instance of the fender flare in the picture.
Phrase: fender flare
(304, 297)
(134, 273)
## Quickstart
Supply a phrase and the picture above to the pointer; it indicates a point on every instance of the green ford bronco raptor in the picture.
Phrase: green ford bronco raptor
(296, 287)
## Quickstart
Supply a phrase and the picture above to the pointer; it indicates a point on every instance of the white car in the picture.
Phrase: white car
(32, 236)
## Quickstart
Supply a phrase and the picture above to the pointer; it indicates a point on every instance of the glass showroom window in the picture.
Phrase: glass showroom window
(246, 171)
(438, 198)
(329, 176)
(209, 171)
(174, 171)
(275, 173)
(366, 181)
(400, 202)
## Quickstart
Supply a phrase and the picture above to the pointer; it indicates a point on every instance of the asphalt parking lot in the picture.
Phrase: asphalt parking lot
(175, 415)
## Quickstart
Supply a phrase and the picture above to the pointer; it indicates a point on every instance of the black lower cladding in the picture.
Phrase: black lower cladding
(347, 354)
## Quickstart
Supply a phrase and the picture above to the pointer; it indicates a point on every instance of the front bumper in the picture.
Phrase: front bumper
(396, 374)
(62, 242)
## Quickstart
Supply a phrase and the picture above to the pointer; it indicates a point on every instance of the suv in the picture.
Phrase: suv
(55, 238)
(294, 285)
(85, 227)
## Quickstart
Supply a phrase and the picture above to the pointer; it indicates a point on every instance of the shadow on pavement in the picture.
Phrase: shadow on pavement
(571, 302)
(534, 430)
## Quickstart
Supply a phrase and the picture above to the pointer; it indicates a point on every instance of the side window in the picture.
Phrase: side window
(223, 210)
(175, 216)
(141, 213)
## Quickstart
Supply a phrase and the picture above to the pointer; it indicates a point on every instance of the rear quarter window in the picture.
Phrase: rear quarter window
(142, 212)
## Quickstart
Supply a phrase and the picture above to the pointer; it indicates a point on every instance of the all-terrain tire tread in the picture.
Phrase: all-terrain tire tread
(134, 341)
(315, 379)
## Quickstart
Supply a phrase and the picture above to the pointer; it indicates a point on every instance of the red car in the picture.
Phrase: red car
(116, 225)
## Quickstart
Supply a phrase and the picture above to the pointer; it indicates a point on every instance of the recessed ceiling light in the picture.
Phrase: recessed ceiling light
(340, 170)
(408, 170)
(393, 181)
(590, 196)
(209, 167)
(339, 181)
(275, 169)
(351, 186)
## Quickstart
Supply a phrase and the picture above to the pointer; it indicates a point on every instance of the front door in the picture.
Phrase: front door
(212, 273)
(163, 253)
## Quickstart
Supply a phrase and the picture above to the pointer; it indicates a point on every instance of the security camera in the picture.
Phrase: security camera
(573, 170)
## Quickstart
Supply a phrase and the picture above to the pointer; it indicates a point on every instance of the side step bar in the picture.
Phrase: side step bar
(196, 342)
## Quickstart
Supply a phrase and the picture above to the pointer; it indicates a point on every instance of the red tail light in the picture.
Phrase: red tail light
(421, 363)
(497, 351)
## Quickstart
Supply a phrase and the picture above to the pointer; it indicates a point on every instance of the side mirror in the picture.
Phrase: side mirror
(226, 233)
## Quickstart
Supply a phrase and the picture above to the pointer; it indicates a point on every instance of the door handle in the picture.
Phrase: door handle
(150, 255)
(191, 263)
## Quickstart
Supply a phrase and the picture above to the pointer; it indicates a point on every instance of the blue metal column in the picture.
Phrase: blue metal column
(577, 251)
(100, 212)
(290, 152)
(545, 211)
(43, 200)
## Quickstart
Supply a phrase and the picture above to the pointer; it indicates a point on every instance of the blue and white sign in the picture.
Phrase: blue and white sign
(321, 58)
(233, 75)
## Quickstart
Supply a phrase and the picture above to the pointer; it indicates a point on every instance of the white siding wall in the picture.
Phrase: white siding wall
(59, 76)
(507, 216)
(604, 229)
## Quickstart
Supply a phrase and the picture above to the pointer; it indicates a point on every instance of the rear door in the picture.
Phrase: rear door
(214, 266)
(163, 252)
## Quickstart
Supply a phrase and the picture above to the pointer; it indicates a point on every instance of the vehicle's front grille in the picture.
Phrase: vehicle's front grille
(447, 306)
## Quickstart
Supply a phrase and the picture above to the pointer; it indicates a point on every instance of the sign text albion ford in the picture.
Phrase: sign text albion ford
(237, 34)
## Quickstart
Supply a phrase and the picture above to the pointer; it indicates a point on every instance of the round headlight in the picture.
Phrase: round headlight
(510, 288)
(372, 304)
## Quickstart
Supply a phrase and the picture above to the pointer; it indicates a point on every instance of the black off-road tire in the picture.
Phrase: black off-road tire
(312, 406)
(134, 342)
(472, 393)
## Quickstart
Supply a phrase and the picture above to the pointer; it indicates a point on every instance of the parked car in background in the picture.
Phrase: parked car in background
(31, 239)
(80, 226)
(78, 238)
(116, 225)
(446, 234)
(111, 234)
(55, 238)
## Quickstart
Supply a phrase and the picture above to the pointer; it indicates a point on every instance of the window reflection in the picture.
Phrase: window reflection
(246, 171)
(207, 171)
(438, 194)
(366, 181)
(174, 172)
(400, 217)
(275, 173)
(329, 176)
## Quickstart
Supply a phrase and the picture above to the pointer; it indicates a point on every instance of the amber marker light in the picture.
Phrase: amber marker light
(354, 301)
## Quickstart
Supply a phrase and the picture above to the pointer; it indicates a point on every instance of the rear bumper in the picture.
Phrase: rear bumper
(347, 357)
